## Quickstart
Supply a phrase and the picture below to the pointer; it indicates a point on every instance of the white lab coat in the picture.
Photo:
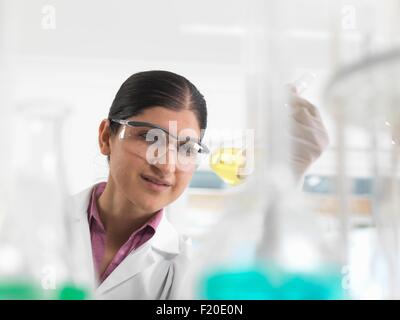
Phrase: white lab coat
(156, 270)
(152, 271)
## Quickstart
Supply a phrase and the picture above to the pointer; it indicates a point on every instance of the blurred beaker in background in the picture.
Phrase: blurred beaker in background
(36, 257)
(364, 100)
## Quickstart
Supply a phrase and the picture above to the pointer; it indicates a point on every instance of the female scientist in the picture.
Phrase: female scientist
(133, 252)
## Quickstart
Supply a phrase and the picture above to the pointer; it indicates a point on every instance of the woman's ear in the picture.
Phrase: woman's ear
(104, 137)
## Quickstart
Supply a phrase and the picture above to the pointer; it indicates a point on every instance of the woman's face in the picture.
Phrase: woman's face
(148, 185)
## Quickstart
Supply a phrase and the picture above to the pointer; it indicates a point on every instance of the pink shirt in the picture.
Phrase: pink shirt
(98, 234)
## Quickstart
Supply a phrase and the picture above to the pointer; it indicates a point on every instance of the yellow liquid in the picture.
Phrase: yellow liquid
(226, 162)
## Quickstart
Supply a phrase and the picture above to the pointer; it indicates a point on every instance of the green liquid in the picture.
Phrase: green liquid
(258, 284)
(72, 292)
(19, 290)
(30, 290)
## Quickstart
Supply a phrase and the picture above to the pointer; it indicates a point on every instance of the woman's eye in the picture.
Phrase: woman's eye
(188, 151)
(146, 136)
(149, 137)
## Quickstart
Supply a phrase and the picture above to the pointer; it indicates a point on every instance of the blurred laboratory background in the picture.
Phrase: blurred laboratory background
(76, 54)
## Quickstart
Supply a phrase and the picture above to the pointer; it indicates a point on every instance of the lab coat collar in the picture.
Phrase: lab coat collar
(81, 242)
(164, 241)
(81, 203)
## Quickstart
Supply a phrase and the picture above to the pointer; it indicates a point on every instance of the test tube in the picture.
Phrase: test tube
(304, 82)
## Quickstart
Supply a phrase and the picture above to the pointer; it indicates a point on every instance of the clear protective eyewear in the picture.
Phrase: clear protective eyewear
(187, 147)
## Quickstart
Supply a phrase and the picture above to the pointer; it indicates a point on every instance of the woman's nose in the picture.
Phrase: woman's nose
(169, 164)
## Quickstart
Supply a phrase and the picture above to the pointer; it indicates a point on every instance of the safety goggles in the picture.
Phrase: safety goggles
(186, 145)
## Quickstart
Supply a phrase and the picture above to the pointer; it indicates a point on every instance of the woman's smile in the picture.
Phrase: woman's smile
(155, 184)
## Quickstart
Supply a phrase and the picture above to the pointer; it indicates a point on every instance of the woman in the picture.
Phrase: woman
(134, 251)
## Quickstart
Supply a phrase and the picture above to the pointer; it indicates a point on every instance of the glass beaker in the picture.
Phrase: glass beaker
(364, 101)
(233, 161)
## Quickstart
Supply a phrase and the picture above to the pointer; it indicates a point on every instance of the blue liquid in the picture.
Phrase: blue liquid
(258, 284)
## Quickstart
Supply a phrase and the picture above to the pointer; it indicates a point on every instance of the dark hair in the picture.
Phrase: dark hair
(144, 90)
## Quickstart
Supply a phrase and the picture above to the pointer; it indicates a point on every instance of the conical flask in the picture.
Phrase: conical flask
(37, 259)
(268, 245)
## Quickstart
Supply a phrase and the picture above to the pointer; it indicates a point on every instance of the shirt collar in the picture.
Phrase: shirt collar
(93, 212)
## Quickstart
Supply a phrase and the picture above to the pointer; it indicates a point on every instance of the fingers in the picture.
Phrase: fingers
(304, 117)
(311, 139)
(296, 102)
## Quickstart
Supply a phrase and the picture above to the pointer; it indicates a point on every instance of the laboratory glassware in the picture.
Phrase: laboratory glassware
(38, 259)
(229, 162)
(363, 99)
